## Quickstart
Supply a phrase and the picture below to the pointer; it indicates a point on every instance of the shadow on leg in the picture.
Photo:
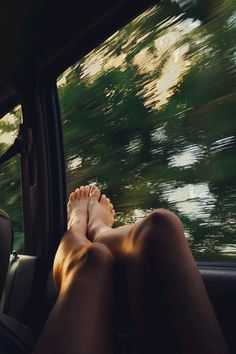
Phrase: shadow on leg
(81, 319)
(157, 249)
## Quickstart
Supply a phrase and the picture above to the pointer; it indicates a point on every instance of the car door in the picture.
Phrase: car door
(144, 112)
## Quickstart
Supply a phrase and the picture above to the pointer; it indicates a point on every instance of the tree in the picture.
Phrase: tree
(130, 118)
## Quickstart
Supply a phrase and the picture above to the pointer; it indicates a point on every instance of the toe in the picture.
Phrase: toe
(78, 193)
(95, 194)
(103, 199)
(92, 188)
(86, 191)
(71, 197)
(82, 188)
(108, 203)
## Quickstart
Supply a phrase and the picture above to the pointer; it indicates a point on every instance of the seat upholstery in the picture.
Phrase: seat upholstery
(5, 247)
(15, 337)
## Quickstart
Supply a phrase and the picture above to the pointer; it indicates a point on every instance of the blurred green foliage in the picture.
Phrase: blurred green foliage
(10, 181)
(149, 116)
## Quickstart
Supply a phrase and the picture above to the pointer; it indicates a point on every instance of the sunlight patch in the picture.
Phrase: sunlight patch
(193, 200)
(186, 158)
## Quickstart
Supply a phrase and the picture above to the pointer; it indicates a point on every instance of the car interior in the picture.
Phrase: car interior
(51, 63)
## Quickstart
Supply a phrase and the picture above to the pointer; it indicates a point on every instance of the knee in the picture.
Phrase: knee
(95, 258)
(99, 255)
(159, 229)
(163, 220)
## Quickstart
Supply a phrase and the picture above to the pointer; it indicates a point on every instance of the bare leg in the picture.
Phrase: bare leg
(81, 319)
(101, 218)
(158, 243)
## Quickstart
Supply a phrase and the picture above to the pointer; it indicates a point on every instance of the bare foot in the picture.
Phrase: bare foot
(74, 243)
(77, 209)
(101, 214)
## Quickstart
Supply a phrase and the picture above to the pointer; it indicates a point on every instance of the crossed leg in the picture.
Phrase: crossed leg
(158, 243)
(83, 274)
(81, 319)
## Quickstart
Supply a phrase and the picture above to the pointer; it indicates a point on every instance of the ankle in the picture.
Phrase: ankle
(95, 229)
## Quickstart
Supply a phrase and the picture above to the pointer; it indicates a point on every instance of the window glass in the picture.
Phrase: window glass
(149, 115)
(10, 180)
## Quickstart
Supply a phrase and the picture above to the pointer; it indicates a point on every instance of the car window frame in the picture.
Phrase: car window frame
(49, 113)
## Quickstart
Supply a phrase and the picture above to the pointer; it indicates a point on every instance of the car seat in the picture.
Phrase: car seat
(15, 338)
(5, 247)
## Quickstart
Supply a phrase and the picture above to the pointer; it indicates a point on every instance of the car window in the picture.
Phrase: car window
(149, 116)
(10, 179)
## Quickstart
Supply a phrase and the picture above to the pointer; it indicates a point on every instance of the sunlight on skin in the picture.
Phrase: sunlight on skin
(132, 245)
(128, 246)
